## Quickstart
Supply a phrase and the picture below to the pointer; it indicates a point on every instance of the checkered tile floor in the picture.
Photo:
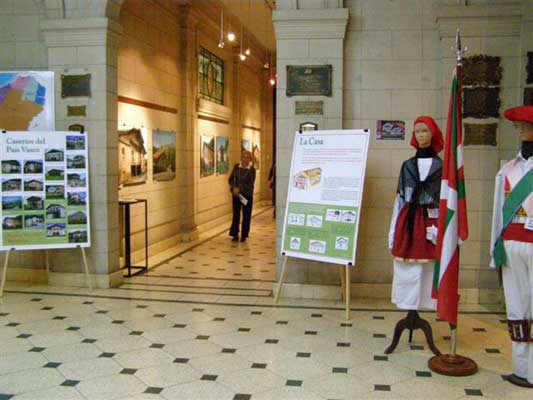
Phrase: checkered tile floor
(204, 326)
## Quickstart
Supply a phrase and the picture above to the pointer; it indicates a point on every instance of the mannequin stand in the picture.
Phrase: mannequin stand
(413, 322)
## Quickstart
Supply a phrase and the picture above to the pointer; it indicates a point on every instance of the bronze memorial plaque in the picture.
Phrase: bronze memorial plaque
(76, 111)
(309, 80)
(481, 102)
(76, 128)
(528, 96)
(76, 85)
(309, 108)
(481, 134)
(482, 70)
(529, 67)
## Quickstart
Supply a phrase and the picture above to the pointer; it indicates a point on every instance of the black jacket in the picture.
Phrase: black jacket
(244, 179)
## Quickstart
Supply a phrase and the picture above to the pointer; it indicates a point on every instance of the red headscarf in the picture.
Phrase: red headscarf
(437, 142)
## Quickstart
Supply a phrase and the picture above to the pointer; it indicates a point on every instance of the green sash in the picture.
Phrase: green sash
(512, 204)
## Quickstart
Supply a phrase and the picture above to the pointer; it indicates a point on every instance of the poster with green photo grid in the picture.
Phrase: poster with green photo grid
(45, 190)
(324, 195)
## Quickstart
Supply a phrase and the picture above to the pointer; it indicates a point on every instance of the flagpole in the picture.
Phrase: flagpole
(452, 207)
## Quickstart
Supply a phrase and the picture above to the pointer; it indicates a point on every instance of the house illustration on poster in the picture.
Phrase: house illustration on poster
(55, 230)
(314, 220)
(348, 216)
(295, 243)
(317, 246)
(55, 211)
(341, 243)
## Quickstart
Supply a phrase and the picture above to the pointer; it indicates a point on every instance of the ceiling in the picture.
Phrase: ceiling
(256, 16)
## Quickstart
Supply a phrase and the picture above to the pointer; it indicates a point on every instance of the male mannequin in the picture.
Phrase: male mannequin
(512, 244)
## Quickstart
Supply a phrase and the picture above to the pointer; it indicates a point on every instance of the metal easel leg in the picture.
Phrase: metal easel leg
(348, 294)
(343, 283)
(281, 278)
(4, 273)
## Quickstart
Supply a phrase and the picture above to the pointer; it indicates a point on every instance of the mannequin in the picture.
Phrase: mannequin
(413, 230)
(512, 244)
(414, 221)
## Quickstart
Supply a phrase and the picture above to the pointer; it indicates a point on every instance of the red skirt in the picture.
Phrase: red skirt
(419, 248)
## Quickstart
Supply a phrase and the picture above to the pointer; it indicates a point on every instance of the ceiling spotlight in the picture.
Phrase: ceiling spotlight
(272, 81)
(247, 51)
(242, 56)
(231, 36)
(221, 44)
(266, 65)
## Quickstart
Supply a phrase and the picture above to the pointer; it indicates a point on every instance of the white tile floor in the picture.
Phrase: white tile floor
(204, 326)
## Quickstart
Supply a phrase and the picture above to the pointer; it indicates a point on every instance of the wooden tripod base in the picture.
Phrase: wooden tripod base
(452, 365)
(413, 322)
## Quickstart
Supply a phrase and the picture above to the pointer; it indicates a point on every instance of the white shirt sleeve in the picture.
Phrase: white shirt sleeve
(497, 212)
(398, 204)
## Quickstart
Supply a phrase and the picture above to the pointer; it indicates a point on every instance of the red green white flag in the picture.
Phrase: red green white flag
(453, 224)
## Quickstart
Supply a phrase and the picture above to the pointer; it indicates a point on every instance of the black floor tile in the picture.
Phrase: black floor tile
(153, 390)
(179, 326)
(346, 325)
(59, 318)
(473, 392)
(259, 365)
(70, 383)
(229, 351)
(446, 338)
(89, 340)
(303, 355)
(243, 330)
(256, 312)
(492, 351)
(202, 337)
(4, 314)
(117, 321)
(159, 315)
(102, 312)
(88, 302)
(423, 374)
(379, 335)
(219, 319)
(73, 328)
(242, 396)
(23, 336)
(136, 333)
(343, 344)
(311, 332)
(47, 308)
(4, 396)
(36, 299)
(197, 309)
(181, 360)
(142, 306)
(272, 341)
(417, 347)
(479, 330)
(378, 317)
(316, 315)
(293, 382)
(339, 370)
(37, 349)
(383, 388)
(52, 365)
(107, 355)
(128, 371)
(157, 345)
(282, 322)
(381, 358)
(209, 377)
(13, 324)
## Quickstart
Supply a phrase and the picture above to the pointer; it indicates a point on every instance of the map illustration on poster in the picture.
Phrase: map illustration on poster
(45, 190)
(325, 193)
(27, 101)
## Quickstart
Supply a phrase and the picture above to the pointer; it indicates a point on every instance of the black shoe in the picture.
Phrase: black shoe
(516, 380)
(235, 239)
(243, 239)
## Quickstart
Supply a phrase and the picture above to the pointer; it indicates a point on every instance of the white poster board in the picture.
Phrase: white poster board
(45, 190)
(27, 101)
(324, 196)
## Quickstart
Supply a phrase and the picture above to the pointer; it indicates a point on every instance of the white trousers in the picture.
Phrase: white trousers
(518, 289)
(412, 284)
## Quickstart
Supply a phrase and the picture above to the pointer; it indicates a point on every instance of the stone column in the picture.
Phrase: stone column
(308, 32)
(89, 45)
(187, 119)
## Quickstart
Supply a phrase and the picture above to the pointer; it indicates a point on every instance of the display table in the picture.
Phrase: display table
(126, 205)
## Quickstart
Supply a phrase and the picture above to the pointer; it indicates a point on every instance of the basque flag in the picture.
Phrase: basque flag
(453, 224)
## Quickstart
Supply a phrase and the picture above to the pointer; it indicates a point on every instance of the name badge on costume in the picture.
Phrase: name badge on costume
(529, 224)
(433, 213)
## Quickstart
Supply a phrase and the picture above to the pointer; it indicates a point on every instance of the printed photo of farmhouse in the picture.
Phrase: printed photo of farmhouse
(207, 156)
(132, 156)
(54, 155)
(55, 191)
(76, 161)
(222, 146)
(11, 167)
(33, 203)
(77, 236)
(164, 155)
(75, 142)
(11, 203)
(11, 185)
(77, 198)
(54, 173)
(33, 166)
(33, 185)
(75, 180)
(12, 222)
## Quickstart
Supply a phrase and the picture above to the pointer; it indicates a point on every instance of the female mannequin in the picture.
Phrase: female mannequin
(413, 229)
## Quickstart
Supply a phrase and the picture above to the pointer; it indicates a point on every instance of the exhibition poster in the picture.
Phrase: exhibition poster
(45, 190)
(27, 101)
(324, 196)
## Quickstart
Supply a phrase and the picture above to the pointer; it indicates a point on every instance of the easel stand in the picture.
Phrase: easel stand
(345, 283)
(47, 261)
(413, 322)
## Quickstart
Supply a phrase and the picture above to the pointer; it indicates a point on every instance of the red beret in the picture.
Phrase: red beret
(521, 113)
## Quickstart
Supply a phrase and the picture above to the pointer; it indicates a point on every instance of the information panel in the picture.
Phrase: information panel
(325, 194)
(45, 196)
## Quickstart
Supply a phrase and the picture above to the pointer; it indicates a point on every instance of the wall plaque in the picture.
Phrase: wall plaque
(481, 102)
(481, 134)
(76, 85)
(76, 111)
(309, 80)
(528, 96)
(482, 70)
(529, 67)
(309, 107)
(76, 128)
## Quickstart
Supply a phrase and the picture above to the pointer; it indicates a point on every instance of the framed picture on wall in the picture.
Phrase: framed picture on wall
(164, 155)
(256, 155)
(245, 145)
(207, 156)
(132, 156)
(222, 156)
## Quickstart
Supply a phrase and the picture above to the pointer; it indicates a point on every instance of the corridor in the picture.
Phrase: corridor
(204, 326)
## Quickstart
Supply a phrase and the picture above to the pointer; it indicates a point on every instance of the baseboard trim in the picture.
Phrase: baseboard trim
(100, 281)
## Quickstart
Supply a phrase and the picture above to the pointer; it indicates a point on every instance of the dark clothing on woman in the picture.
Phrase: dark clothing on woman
(244, 179)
